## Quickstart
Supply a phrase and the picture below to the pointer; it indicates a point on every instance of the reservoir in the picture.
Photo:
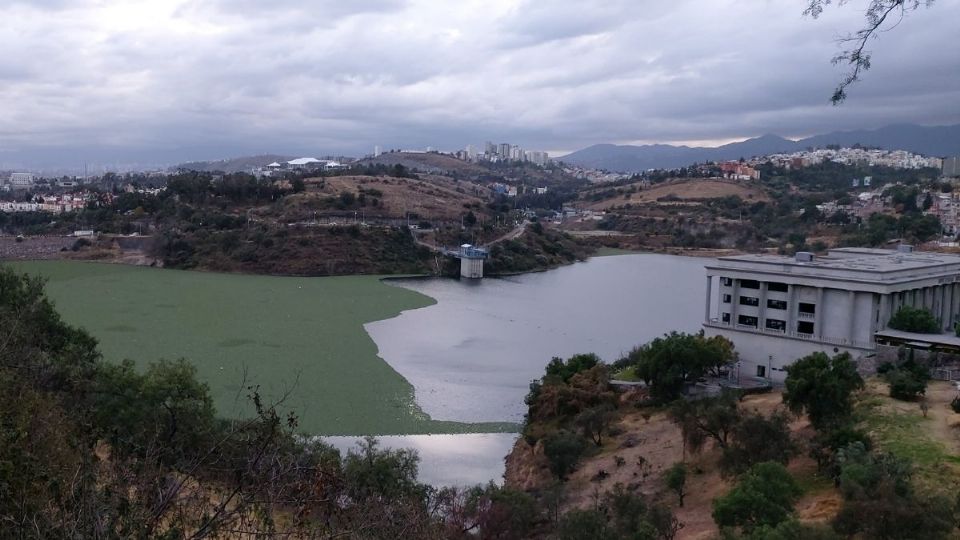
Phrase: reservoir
(419, 362)
(472, 355)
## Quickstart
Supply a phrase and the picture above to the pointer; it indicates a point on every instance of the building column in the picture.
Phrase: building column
(762, 307)
(853, 316)
(706, 315)
(818, 316)
(791, 309)
(885, 304)
(952, 315)
(735, 302)
(942, 309)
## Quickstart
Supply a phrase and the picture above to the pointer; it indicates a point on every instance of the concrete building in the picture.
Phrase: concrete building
(777, 309)
(951, 166)
(21, 180)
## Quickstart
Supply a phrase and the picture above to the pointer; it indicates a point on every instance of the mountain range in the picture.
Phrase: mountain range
(927, 140)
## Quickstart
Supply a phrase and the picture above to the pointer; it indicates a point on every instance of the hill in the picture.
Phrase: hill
(430, 162)
(934, 141)
(233, 165)
(671, 192)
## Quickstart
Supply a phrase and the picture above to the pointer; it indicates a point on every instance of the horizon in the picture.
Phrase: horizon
(119, 166)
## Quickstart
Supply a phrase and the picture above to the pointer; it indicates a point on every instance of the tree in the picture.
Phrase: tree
(595, 421)
(905, 384)
(381, 474)
(494, 512)
(575, 364)
(670, 362)
(758, 439)
(909, 319)
(879, 500)
(823, 388)
(764, 496)
(166, 405)
(709, 418)
(585, 525)
(857, 57)
(563, 450)
(677, 481)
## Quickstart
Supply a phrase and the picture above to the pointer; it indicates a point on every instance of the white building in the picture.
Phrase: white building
(304, 162)
(777, 309)
(21, 180)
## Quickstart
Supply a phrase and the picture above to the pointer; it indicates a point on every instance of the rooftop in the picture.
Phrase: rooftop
(860, 264)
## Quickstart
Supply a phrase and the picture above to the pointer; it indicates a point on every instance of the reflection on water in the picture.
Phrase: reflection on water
(449, 460)
(472, 355)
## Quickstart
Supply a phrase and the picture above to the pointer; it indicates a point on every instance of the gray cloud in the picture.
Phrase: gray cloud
(83, 80)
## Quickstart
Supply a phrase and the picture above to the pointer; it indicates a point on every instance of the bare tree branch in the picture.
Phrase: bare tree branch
(856, 56)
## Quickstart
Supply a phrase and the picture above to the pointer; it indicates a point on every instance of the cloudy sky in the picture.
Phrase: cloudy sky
(170, 80)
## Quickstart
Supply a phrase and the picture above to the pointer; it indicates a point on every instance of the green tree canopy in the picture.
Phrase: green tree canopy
(563, 450)
(668, 363)
(910, 319)
(764, 496)
(823, 388)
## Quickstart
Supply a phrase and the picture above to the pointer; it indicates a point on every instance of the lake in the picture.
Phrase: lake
(400, 358)
(472, 355)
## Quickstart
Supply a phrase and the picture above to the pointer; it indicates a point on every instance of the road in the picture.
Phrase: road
(513, 234)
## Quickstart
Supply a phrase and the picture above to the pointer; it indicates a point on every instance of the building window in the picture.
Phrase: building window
(726, 282)
(809, 309)
(777, 304)
(804, 327)
(749, 284)
(749, 301)
(777, 287)
(776, 324)
(761, 371)
(726, 298)
(725, 317)
(747, 320)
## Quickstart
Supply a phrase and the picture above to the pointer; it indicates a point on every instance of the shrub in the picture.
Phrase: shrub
(906, 385)
(563, 450)
(677, 481)
(907, 381)
(757, 439)
(575, 364)
(764, 496)
(879, 500)
(909, 319)
(80, 244)
(955, 404)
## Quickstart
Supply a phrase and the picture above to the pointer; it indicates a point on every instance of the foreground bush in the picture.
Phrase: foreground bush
(764, 497)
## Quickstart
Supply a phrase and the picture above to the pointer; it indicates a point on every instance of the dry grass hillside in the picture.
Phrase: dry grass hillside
(429, 197)
(649, 443)
(429, 162)
(683, 191)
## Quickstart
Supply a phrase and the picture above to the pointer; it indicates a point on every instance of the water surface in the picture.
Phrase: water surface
(472, 355)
